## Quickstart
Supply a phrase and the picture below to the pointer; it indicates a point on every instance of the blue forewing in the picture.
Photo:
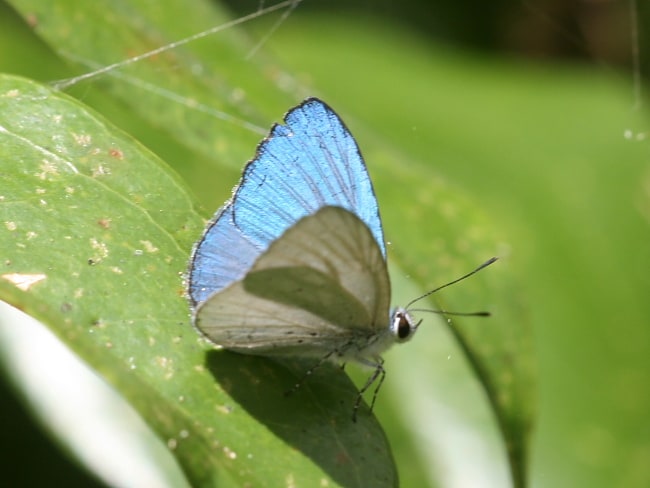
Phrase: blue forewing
(310, 162)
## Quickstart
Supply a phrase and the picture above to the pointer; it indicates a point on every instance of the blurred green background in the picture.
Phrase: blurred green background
(532, 110)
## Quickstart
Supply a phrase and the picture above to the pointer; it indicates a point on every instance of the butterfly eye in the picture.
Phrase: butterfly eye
(403, 326)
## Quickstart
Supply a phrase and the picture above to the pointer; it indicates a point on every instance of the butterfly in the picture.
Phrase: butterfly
(294, 264)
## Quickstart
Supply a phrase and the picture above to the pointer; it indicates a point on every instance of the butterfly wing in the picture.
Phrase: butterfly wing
(222, 256)
(321, 286)
(310, 162)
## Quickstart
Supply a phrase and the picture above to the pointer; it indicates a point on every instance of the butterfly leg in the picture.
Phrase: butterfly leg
(309, 372)
(380, 373)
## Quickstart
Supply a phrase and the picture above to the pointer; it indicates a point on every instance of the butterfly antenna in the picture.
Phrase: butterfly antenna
(484, 265)
(455, 314)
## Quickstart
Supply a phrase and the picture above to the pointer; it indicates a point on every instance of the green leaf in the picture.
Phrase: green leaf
(185, 92)
(103, 229)
(448, 237)
(437, 231)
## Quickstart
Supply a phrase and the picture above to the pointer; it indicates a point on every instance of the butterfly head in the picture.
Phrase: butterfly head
(403, 325)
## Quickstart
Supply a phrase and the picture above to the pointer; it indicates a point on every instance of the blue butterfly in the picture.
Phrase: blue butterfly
(295, 263)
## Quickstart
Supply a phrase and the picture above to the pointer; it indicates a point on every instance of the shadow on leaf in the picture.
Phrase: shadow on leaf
(315, 419)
